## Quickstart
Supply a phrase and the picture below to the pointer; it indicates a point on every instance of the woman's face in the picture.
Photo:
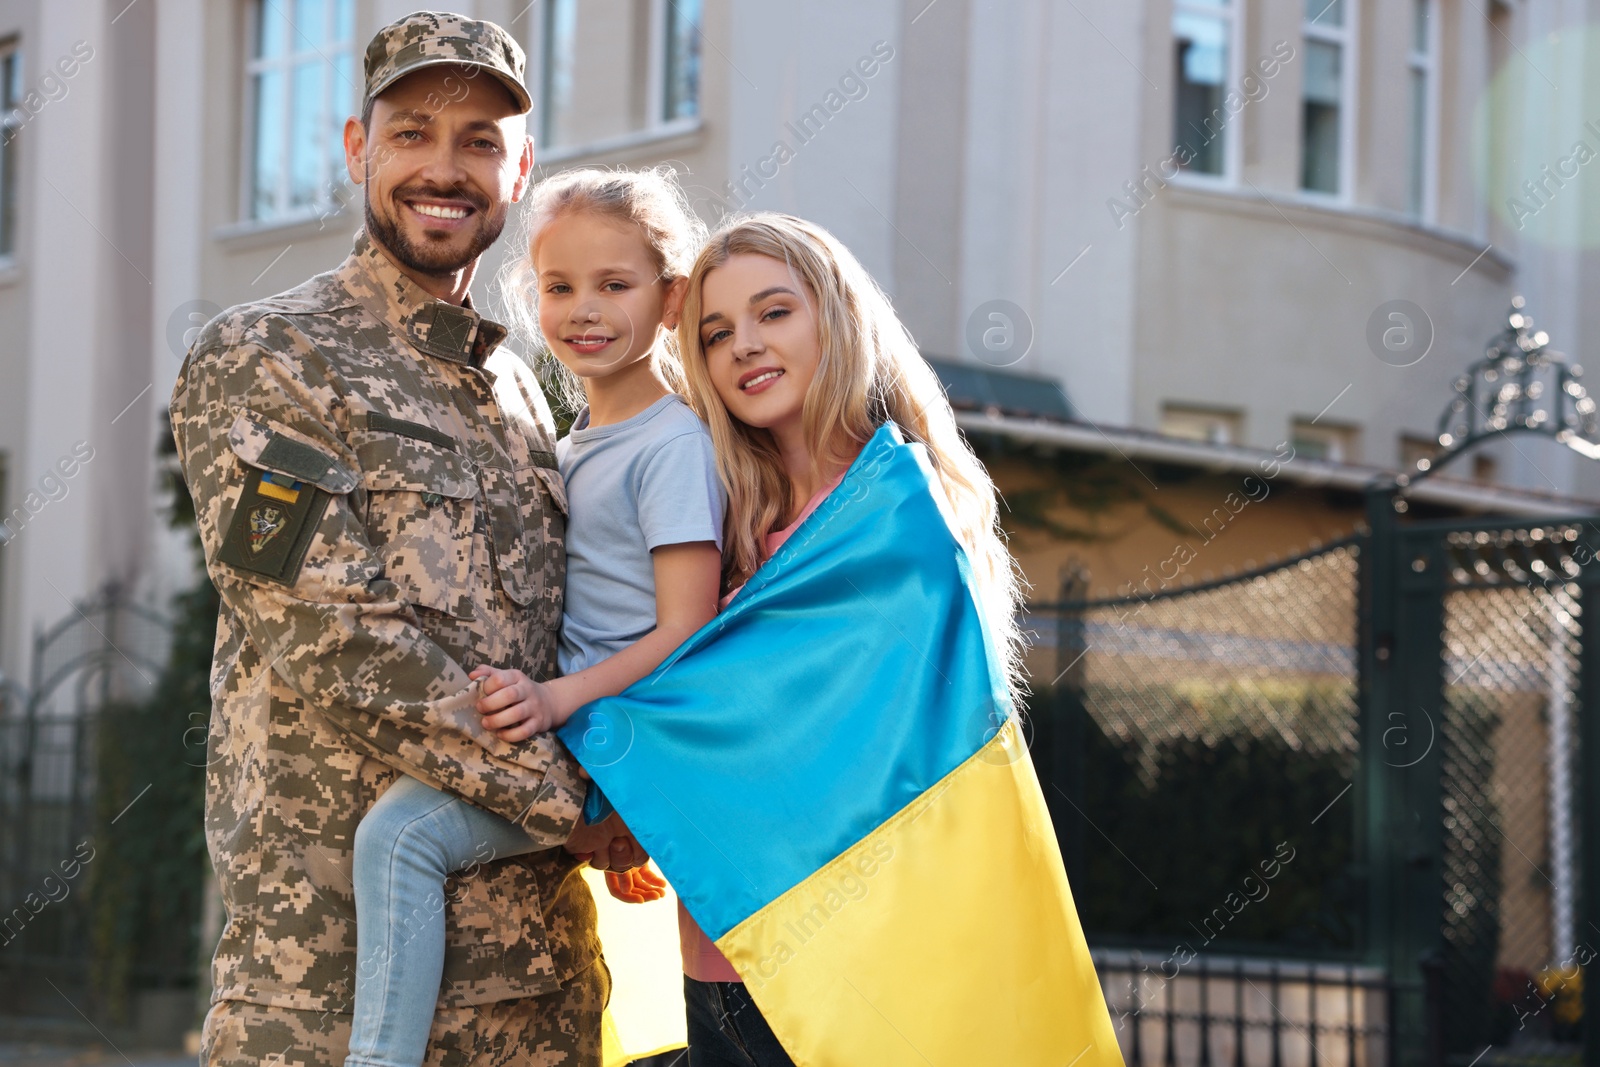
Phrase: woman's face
(758, 328)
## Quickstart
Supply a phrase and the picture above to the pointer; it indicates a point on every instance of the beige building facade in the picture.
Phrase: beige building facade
(1188, 213)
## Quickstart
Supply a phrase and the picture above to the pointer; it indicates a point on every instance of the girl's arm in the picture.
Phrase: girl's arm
(688, 578)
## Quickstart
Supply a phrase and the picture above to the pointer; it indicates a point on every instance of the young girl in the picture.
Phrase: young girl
(607, 257)
(794, 358)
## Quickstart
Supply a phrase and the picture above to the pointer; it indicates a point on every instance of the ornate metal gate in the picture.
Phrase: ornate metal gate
(105, 651)
(1409, 712)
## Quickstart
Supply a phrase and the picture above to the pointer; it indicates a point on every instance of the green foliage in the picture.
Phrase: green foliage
(148, 876)
(1183, 857)
(150, 864)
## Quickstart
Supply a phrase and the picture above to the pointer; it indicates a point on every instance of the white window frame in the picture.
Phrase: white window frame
(1232, 136)
(655, 127)
(1345, 37)
(1229, 420)
(1341, 441)
(1427, 64)
(9, 125)
(325, 203)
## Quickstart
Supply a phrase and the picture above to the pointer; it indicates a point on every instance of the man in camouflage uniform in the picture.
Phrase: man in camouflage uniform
(378, 498)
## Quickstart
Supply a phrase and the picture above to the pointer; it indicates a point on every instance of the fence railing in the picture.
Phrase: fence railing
(1219, 1011)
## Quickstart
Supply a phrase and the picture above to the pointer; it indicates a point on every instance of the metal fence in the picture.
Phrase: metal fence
(1231, 1012)
(1511, 858)
(1200, 748)
(1214, 768)
(107, 648)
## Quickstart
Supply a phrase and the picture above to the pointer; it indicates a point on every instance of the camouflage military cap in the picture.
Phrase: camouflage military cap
(437, 38)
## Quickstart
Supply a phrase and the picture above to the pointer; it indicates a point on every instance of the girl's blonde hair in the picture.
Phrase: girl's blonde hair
(870, 372)
(650, 199)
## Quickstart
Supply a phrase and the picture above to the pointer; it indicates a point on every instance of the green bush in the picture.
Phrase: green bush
(1182, 857)
(149, 870)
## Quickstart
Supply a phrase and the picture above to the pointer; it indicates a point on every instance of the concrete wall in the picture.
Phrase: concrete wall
(77, 422)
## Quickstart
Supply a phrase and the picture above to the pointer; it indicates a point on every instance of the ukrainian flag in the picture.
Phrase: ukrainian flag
(830, 776)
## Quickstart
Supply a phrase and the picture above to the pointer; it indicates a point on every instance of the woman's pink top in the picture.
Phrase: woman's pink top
(701, 959)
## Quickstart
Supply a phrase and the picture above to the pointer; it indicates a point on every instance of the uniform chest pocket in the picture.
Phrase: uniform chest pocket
(527, 525)
(421, 513)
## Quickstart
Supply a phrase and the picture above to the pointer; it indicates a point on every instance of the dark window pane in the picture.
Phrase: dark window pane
(682, 96)
(1419, 139)
(560, 33)
(1321, 117)
(1325, 12)
(308, 135)
(10, 92)
(272, 31)
(269, 144)
(1200, 72)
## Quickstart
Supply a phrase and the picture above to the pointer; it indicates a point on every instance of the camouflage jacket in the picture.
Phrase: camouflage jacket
(380, 509)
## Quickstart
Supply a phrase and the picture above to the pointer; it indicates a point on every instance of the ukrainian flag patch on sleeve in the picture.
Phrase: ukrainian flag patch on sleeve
(273, 526)
(279, 487)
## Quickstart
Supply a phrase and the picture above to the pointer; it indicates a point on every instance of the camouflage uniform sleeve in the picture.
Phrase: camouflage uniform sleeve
(287, 549)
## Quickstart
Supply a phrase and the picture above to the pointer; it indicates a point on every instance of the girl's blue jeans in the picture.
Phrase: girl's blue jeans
(406, 846)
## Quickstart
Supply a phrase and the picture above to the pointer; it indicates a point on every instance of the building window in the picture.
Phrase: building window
(599, 80)
(1417, 453)
(680, 91)
(303, 84)
(10, 125)
(1320, 440)
(1325, 111)
(1201, 424)
(1424, 107)
(556, 99)
(1202, 39)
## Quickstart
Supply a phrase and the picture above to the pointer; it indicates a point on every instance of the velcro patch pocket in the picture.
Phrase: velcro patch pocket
(288, 483)
(260, 443)
(273, 526)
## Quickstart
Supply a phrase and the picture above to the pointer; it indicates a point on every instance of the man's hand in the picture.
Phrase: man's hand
(607, 845)
(638, 886)
(515, 707)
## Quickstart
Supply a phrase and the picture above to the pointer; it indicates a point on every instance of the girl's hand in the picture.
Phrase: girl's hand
(638, 886)
(514, 707)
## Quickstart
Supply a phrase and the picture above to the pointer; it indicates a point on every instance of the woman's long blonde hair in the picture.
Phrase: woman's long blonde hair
(650, 199)
(870, 372)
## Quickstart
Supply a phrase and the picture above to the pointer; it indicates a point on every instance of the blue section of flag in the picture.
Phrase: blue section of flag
(851, 674)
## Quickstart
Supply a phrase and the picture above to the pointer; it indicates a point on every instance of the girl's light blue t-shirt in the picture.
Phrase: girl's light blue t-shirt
(632, 486)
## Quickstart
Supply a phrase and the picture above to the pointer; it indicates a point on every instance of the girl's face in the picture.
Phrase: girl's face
(601, 303)
(758, 328)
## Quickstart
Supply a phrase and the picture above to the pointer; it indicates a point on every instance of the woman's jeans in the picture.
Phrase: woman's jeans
(726, 1028)
(406, 846)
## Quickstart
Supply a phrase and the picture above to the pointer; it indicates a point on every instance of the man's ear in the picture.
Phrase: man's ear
(672, 309)
(355, 150)
(524, 169)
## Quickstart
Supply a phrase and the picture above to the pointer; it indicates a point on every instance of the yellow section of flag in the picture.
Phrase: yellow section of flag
(274, 491)
(948, 935)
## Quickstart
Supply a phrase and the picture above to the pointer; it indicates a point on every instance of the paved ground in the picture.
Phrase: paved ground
(20, 1054)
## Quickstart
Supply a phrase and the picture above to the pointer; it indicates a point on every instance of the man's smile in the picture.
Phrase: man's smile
(441, 214)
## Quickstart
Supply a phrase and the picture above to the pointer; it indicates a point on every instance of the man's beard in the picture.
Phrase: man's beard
(437, 261)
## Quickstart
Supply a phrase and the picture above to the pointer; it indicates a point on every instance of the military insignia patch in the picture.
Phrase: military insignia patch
(266, 522)
(273, 526)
